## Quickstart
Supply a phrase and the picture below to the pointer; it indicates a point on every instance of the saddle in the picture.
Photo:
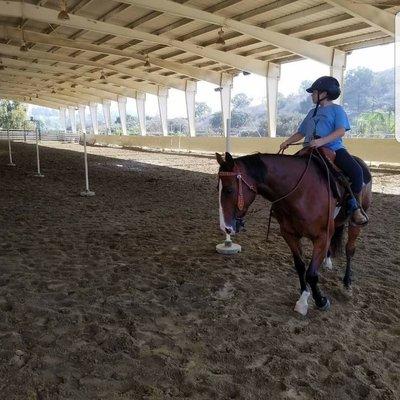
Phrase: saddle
(325, 159)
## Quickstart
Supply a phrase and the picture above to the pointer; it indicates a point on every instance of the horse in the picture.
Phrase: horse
(303, 204)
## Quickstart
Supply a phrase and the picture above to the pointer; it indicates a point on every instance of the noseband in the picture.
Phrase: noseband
(241, 180)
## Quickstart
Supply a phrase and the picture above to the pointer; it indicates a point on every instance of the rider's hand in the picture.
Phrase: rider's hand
(284, 145)
(316, 143)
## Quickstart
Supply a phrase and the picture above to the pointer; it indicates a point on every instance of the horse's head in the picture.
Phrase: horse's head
(237, 190)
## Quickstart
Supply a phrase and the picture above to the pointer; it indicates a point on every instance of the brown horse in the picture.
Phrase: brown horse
(303, 204)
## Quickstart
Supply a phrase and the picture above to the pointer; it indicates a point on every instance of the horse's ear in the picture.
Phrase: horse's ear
(219, 158)
(229, 161)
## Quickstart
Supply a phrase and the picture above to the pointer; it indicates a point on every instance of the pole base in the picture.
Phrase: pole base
(228, 247)
(87, 193)
(11, 164)
(37, 175)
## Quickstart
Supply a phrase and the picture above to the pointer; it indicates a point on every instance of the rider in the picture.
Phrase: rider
(325, 125)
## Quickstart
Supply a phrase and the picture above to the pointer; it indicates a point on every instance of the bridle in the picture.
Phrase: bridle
(241, 180)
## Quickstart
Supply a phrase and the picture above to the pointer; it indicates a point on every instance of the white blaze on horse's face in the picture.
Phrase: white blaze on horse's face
(223, 225)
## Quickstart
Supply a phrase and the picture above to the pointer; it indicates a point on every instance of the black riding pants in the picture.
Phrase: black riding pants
(351, 168)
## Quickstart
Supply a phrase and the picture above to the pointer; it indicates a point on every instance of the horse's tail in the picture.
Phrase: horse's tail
(337, 241)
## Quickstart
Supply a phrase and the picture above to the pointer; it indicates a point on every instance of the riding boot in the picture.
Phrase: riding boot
(359, 217)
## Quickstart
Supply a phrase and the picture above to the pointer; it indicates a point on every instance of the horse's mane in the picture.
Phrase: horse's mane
(254, 166)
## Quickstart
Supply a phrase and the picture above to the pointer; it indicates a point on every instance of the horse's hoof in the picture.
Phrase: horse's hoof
(326, 304)
(327, 264)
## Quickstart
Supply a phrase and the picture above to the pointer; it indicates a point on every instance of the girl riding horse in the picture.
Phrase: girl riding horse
(325, 125)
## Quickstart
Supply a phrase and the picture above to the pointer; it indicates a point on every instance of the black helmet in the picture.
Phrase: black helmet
(326, 84)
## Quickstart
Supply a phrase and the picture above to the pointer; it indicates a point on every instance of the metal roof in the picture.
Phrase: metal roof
(149, 46)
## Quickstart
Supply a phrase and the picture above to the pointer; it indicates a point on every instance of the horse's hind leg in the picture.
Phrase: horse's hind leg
(353, 233)
(319, 252)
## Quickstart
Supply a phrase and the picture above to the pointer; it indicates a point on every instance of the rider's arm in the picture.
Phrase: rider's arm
(292, 139)
(338, 133)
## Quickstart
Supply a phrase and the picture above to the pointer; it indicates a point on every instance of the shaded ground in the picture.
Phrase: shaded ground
(122, 296)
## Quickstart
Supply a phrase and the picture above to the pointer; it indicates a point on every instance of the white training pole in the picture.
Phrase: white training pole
(38, 173)
(87, 192)
(228, 247)
(10, 164)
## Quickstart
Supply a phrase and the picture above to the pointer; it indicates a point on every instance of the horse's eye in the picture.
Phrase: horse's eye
(227, 190)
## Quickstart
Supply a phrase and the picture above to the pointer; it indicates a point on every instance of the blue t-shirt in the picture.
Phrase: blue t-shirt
(327, 120)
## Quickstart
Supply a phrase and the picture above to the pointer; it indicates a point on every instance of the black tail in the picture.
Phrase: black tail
(337, 241)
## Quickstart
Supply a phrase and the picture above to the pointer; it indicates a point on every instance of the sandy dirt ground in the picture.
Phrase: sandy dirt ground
(122, 296)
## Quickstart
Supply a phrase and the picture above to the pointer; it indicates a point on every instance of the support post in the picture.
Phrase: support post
(122, 113)
(38, 173)
(93, 117)
(63, 122)
(273, 75)
(10, 164)
(107, 115)
(190, 97)
(225, 93)
(162, 107)
(82, 109)
(337, 69)
(141, 111)
(87, 192)
(72, 118)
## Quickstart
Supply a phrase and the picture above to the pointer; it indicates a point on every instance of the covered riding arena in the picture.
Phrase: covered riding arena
(121, 295)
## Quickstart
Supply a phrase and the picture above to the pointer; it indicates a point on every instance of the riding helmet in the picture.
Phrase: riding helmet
(326, 84)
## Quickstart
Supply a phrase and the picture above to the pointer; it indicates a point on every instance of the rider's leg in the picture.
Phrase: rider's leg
(354, 171)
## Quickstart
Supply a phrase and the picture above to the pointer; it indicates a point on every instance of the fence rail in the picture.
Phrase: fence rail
(30, 135)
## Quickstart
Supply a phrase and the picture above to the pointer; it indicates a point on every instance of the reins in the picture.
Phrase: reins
(291, 191)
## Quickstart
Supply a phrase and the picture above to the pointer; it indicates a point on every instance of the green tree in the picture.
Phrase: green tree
(241, 101)
(202, 110)
(376, 123)
(12, 114)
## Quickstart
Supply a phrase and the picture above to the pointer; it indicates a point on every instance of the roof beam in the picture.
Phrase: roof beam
(68, 76)
(193, 72)
(34, 54)
(135, 73)
(14, 9)
(373, 16)
(28, 78)
(37, 102)
(12, 94)
(295, 45)
(39, 88)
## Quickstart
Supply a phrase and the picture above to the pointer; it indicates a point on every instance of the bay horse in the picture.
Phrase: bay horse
(303, 204)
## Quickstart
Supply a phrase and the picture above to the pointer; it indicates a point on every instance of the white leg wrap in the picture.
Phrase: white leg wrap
(302, 304)
(327, 263)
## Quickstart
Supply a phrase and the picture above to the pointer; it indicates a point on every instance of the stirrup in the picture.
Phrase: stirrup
(353, 223)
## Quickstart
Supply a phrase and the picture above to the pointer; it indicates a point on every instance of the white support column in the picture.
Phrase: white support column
(162, 106)
(225, 92)
(122, 113)
(140, 106)
(107, 114)
(82, 109)
(337, 69)
(190, 96)
(63, 119)
(93, 117)
(273, 75)
(71, 111)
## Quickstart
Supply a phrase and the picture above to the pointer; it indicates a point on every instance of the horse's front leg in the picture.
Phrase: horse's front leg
(353, 233)
(319, 252)
(293, 242)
